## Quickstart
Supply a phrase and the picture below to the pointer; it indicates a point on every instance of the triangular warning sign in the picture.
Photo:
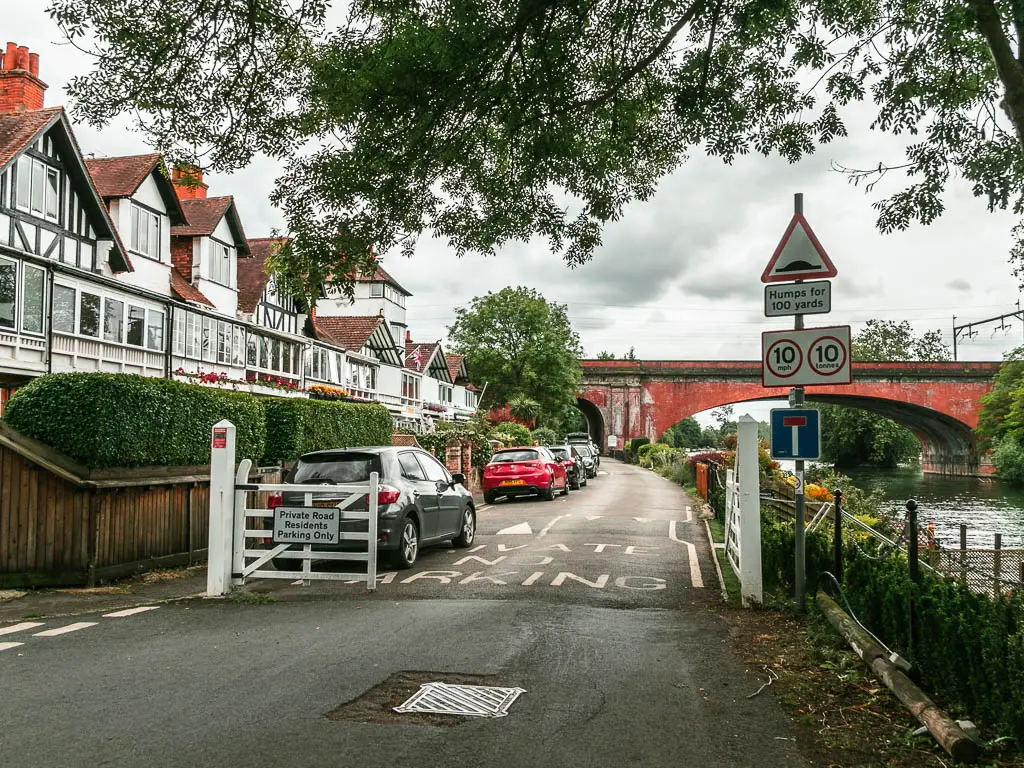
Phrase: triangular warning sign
(798, 256)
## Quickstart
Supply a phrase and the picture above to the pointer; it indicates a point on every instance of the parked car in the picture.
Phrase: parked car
(583, 438)
(589, 457)
(420, 503)
(520, 471)
(573, 463)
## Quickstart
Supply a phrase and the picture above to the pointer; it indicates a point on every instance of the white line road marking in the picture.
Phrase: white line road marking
(130, 612)
(689, 514)
(594, 517)
(8, 646)
(64, 630)
(546, 528)
(643, 519)
(695, 577)
(20, 627)
(477, 549)
(532, 578)
(523, 529)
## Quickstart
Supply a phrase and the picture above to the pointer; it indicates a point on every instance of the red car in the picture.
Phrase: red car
(519, 471)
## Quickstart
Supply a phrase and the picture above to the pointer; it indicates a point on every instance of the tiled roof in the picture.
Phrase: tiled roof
(17, 130)
(454, 365)
(252, 275)
(348, 332)
(203, 215)
(380, 275)
(120, 176)
(405, 441)
(426, 351)
(186, 291)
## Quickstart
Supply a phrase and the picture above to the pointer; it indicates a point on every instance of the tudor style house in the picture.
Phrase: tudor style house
(116, 264)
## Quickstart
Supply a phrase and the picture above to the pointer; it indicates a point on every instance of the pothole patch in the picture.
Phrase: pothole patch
(378, 704)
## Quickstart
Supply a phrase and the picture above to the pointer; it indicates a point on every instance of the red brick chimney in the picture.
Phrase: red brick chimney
(408, 336)
(188, 182)
(21, 90)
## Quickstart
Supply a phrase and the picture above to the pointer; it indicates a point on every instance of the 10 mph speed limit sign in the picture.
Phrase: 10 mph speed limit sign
(802, 358)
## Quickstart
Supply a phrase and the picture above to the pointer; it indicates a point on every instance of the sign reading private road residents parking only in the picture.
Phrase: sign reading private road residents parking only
(806, 357)
(796, 434)
(813, 298)
(306, 525)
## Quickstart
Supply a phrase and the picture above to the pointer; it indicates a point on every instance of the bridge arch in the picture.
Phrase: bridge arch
(938, 402)
(595, 420)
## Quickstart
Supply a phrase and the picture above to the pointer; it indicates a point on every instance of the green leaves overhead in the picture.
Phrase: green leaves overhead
(486, 122)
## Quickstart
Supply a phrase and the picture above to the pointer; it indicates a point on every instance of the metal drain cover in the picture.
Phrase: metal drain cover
(467, 700)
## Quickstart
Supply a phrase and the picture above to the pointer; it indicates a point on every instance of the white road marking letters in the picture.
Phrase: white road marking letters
(532, 578)
(482, 546)
(64, 630)
(481, 576)
(130, 612)
(503, 547)
(20, 627)
(559, 580)
(480, 560)
(631, 550)
(598, 548)
(445, 577)
(658, 583)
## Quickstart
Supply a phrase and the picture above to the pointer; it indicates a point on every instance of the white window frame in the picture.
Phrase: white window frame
(17, 290)
(153, 231)
(221, 255)
(28, 165)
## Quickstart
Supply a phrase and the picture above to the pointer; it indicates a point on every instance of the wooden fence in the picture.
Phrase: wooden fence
(62, 524)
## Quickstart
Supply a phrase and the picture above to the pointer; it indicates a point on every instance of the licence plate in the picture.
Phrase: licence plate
(513, 482)
(326, 504)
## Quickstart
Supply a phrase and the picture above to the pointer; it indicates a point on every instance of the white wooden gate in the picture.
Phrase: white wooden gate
(236, 529)
(732, 519)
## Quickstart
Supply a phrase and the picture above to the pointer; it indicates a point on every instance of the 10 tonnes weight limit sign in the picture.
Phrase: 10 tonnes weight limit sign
(806, 357)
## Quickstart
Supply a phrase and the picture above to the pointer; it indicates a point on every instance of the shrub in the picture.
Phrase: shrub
(511, 433)
(445, 431)
(1008, 458)
(295, 427)
(636, 442)
(544, 436)
(105, 420)
(651, 454)
(708, 457)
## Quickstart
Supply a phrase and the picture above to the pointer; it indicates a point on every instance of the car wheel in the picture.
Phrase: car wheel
(489, 497)
(408, 545)
(576, 483)
(468, 532)
(565, 488)
(549, 494)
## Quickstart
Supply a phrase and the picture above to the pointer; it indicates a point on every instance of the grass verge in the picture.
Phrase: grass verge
(717, 528)
(732, 582)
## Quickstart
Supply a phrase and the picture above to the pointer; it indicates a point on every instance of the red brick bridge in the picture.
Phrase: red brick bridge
(939, 402)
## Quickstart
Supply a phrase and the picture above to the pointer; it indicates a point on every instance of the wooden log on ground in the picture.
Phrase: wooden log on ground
(947, 733)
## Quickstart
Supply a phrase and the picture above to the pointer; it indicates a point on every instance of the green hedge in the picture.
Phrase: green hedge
(295, 427)
(968, 649)
(105, 420)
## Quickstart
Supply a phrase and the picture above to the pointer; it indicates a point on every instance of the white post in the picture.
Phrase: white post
(238, 533)
(750, 511)
(222, 504)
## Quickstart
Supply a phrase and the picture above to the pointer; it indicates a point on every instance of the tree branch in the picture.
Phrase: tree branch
(990, 25)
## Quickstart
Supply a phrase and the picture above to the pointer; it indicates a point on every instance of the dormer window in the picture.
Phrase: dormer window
(145, 232)
(377, 290)
(220, 263)
(38, 189)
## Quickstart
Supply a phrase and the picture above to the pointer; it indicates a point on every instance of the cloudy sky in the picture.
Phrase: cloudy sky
(678, 277)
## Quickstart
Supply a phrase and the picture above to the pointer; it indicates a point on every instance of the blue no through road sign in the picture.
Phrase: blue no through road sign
(796, 433)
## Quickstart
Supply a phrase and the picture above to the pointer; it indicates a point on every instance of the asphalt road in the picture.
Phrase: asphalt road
(596, 605)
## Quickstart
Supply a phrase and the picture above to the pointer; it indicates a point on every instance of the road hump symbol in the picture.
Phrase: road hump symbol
(799, 255)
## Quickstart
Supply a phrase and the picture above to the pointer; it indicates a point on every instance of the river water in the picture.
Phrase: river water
(987, 506)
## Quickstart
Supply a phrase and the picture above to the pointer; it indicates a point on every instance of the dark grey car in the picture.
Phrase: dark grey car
(420, 502)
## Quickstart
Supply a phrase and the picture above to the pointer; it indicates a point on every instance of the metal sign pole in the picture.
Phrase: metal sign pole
(796, 398)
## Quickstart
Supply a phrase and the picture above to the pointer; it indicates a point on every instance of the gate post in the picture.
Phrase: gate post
(750, 510)
(222, 505)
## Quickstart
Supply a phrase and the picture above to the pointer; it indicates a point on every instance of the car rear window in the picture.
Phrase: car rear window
(584, 450)
(505, 457)
(560, 453)
(335, 468)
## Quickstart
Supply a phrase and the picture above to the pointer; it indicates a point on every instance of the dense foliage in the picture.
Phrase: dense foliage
(490, 122)
(509, 433)
(686, 433)
(296, 426)
(474, 430)
(523, 347)
(852, 437)
(968, 648)
(544, 436)
(105, 420)
(1001, 421)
